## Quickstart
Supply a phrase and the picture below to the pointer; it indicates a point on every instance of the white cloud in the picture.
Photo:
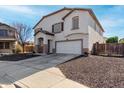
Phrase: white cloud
(112, 22)
(20, 9)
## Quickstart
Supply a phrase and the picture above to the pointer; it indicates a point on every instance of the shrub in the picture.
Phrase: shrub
(17, 50)
(112, 40)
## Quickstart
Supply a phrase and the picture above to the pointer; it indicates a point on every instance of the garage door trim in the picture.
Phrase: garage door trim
(71, 40)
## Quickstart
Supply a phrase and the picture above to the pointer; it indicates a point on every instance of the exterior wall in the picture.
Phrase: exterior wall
(47, 22)
(86, 31)
(45, 41)
(39, 35)
(82, 23)
(95, 33)
(45, 37)
(81, 33)
(94, 37)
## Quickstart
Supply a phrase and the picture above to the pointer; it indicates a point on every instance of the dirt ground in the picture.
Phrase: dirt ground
(96, 71)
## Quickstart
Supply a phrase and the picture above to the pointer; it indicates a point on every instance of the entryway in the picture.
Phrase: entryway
(50, 46)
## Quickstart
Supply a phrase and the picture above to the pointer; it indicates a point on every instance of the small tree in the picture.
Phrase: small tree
(24, 33)
(112, 40)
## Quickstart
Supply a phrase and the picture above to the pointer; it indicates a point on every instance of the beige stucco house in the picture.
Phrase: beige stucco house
(69, 31)
(7, 38)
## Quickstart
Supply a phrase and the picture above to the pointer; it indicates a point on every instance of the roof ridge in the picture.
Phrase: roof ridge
(65, 8)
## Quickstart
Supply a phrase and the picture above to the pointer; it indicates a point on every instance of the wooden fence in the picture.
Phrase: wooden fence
(109, 49)
(29, 48)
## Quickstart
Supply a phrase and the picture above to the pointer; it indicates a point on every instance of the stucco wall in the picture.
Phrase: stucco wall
(47, 22)
(94, 37)
(38, 35)
(95, 32)
(82, 23)
(86, 30)
(42, 35)
(81, 33)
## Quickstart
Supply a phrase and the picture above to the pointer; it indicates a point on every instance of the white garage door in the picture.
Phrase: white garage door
(69, 47)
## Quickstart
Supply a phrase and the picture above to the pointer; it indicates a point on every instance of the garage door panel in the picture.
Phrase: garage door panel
(69, 47)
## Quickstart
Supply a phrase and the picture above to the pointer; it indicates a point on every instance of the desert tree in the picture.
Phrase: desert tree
(24, 33)
(112, 39)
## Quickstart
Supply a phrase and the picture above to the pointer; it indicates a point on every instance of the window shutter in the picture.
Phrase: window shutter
(62, 26)
(52, 28)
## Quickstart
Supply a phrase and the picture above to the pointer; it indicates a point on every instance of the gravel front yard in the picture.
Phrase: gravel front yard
(96, 71)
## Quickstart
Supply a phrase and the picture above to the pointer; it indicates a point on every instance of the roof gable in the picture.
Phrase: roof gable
(3, 24)
(52, 14)
(89, 11)
(71, 11)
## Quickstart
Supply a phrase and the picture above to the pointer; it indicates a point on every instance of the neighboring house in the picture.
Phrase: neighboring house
(69, 31)
(7, 38)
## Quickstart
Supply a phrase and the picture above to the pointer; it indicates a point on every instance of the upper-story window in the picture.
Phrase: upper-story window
(58, 27)
(3, 32)
(75, 22)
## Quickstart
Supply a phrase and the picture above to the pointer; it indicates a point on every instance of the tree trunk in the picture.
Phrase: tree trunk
(23, 48)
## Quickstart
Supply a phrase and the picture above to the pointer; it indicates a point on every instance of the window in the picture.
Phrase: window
(3, 32)
(7, 46)
(40, 41)
(1, 45)
(4, 45)
(75, 22)
(57, 27)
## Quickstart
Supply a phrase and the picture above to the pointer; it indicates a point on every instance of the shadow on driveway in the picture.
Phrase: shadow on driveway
(17, 57)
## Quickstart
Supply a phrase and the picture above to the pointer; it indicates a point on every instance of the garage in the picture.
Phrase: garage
(69, 46)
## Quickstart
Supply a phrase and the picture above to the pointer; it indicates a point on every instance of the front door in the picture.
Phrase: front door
(40, 45)
(49, 46)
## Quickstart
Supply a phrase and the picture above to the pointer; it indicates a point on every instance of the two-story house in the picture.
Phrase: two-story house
(69, 31)
(7, 38)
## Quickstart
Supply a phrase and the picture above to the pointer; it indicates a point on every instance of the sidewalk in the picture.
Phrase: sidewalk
(49, 78)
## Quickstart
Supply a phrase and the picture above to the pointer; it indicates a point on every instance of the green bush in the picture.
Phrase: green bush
(17, 50)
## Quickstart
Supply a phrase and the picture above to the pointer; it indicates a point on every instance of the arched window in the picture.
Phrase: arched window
(75, 22)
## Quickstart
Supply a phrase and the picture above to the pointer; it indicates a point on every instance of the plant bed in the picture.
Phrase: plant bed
(17, 57)
(95, 71)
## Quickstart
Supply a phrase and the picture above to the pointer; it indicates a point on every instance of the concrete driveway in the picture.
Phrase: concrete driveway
(36, 72)
(46, 61)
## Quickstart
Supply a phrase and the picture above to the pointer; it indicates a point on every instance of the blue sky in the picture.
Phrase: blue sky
(110, 17)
